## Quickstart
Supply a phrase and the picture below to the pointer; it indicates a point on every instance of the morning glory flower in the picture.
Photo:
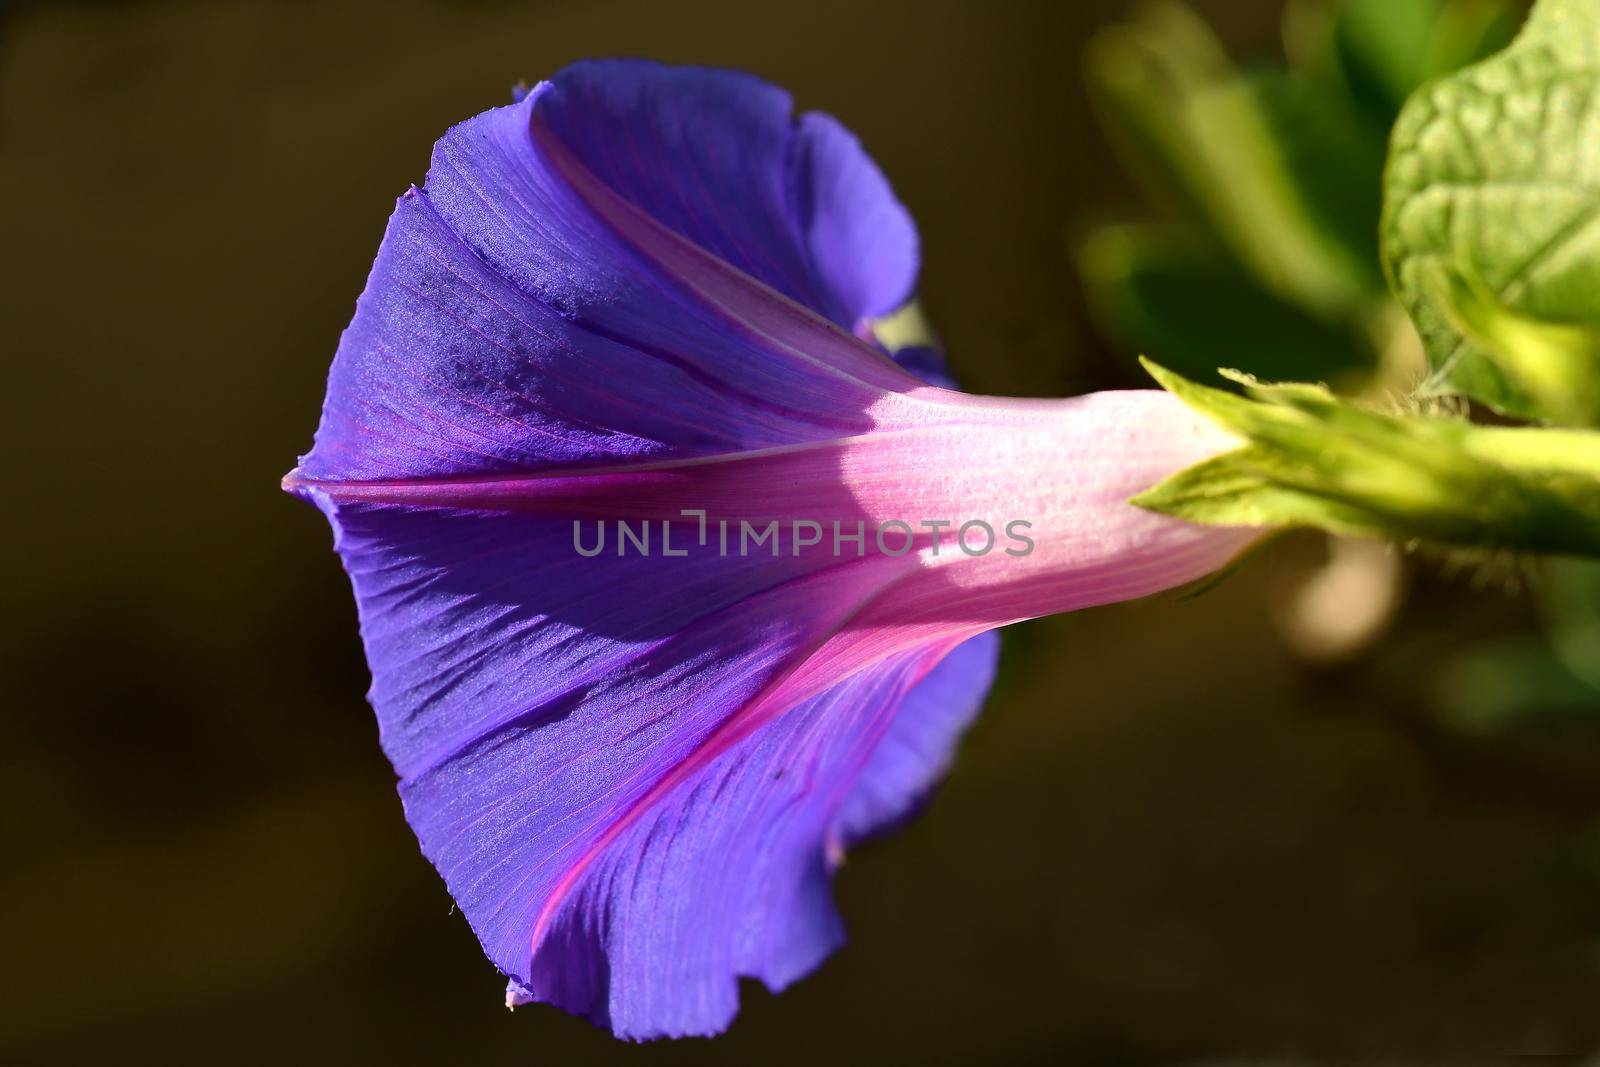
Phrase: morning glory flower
(672, 582)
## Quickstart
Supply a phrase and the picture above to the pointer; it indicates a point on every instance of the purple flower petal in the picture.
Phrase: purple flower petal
(718, 157)
(628, 294)
(502, 313)
(921, 740)
(726, 875)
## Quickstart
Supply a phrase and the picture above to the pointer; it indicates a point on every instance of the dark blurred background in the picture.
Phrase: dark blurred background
(1174, 837)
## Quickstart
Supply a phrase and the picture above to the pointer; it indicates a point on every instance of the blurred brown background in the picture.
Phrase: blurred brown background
(1168, 840)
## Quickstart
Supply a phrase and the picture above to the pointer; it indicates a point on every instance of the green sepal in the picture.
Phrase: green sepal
(1308, 458)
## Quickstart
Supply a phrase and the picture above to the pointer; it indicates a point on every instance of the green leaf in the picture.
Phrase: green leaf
(1309, 458)
(1494, 173)
(1189, 306)
(1557, 366)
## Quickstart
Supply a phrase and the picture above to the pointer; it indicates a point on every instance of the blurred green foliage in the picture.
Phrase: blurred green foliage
(1268, 182)
(1549, 676)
